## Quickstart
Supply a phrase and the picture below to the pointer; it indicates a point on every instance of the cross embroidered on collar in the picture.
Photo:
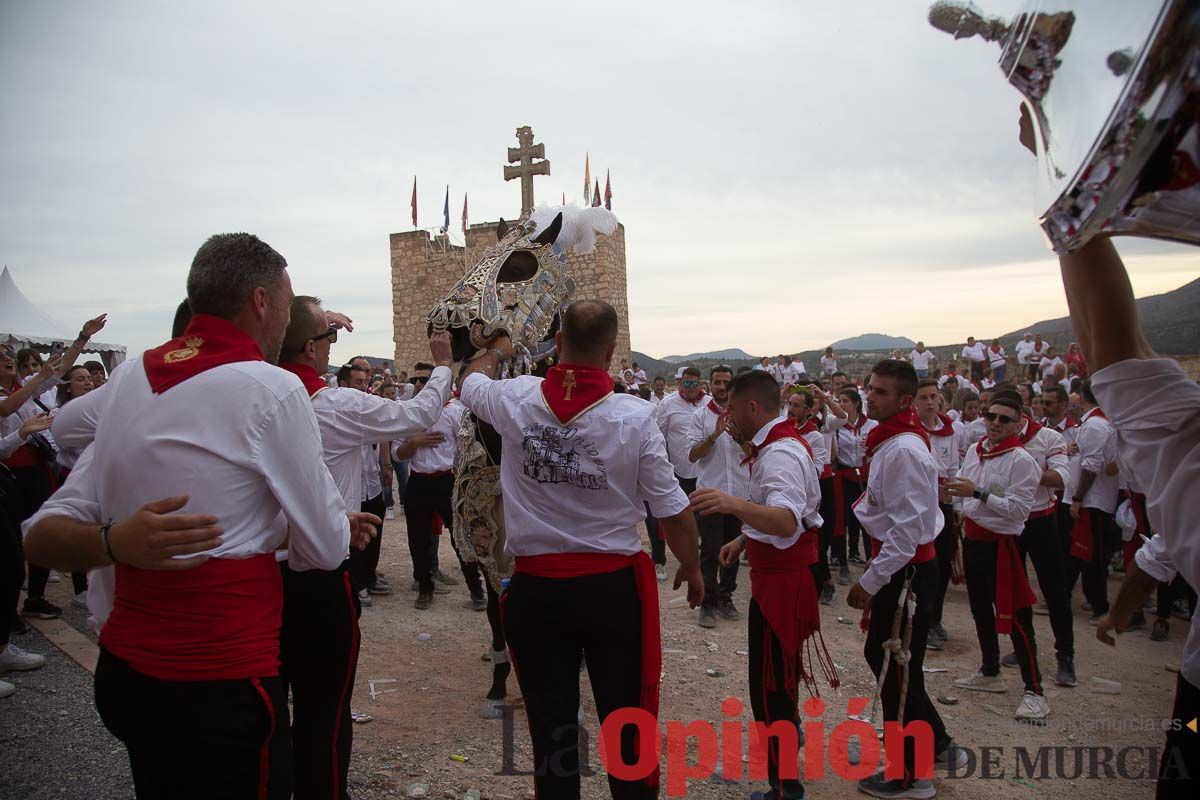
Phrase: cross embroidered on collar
(568, 383)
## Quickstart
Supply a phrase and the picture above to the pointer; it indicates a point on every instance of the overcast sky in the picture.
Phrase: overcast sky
(788, 173)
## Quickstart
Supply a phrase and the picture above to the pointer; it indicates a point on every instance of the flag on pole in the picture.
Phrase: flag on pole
(446, 210)
(564, 198)
(596, 195)
(464, 213)
(414, 201)
(608, 189)
(587, 180)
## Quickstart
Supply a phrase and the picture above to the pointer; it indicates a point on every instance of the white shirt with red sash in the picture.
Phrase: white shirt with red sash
(1049, 450)
(1097, 440)
(899, 508)
(816, 443)
(1010, 476)
(674, 417)
(943, 442)
(205, 416)
(721, 468)
(784, 475)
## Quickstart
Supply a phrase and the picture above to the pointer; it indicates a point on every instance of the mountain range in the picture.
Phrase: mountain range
(1171, 321)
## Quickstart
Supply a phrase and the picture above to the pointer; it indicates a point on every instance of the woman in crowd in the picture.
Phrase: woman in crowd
(1075, 360)
(75, 383)
(998, 360)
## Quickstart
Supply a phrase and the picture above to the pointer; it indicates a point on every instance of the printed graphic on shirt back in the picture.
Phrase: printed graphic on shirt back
(561, 455)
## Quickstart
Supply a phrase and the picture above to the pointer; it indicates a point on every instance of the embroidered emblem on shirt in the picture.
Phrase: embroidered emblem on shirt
(184, 353)
(568, 383)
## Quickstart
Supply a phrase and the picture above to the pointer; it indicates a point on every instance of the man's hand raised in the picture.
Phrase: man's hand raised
(440, 350)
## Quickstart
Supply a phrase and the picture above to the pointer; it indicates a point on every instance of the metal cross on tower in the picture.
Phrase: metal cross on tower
(526, 168)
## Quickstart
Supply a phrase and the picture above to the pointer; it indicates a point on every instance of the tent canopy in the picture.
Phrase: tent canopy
(22, 324)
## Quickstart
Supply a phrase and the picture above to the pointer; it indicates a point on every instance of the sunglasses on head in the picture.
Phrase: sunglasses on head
(330, 334)
(1003, 419)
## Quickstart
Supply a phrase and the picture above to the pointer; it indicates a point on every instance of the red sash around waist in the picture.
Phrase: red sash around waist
(782, 585)
(924, 552)
(826, 472)
(219, 621)
(1081, 535)
(24, 456)
(575, 565)
(1012, 586)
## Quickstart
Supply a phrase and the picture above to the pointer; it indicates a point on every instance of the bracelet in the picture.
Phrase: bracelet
(104, 531)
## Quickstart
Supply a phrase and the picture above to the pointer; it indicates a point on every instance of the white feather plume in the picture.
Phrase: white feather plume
(579, 226)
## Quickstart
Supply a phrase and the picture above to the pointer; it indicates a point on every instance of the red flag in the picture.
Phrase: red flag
(608, 190)
(414, 201)
(464, 213)
(596, 195)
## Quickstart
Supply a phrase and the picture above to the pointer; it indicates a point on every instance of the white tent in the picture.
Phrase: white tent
(22, 324)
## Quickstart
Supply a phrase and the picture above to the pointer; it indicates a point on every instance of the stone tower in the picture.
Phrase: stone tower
(425, 267)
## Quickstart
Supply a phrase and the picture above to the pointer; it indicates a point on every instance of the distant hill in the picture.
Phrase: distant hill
(874, 341)
(733, 354)
(1171, 321)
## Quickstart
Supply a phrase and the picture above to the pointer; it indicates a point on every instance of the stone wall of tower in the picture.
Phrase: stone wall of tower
(424, 268)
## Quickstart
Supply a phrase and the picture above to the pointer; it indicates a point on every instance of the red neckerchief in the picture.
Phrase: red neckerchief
(784, 429)
(808, 427)
(855, 427)
(571, 389)
(1011, 443)
(1095, 412)
(1067, 423)
(947, 428)
(208, 342)
(697, 401)
(1031, 429)
(905, 421)
(307, 375)
(716, 409)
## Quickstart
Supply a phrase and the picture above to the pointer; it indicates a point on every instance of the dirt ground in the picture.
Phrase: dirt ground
(428, 695)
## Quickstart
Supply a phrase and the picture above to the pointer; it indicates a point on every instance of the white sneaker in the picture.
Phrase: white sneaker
(364, 599)
(80, 600)
(6, 688)
(14, 659)
(390, 513)
(983, 683)
(1033, 708)
(660, 572)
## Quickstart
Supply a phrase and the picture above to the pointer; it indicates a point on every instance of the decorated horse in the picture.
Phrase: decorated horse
(519, 288)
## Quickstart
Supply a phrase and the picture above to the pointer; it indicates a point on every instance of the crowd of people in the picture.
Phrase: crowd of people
(219, 502)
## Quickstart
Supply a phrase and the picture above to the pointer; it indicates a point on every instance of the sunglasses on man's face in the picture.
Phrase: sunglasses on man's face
(1001, 418)
(690, 384)
(420, 379)
(330, 334)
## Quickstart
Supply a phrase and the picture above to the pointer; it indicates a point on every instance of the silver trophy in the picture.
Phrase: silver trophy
(1111, 109)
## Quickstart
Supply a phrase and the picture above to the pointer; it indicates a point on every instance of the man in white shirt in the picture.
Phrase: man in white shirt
(899, 512)
(1037, 351)
(1094, 535)
(1041, 542)
(829, 364)
(363, 563)
(997, 481)
(1023, 349)
(922, 360)
(763, 365)
(674, 418)
(718, 459)
(639, 375)
(779, 533)
(660, 390)
(943, 442)
(776, 369)
(189, 663)
(430, 492)
(320, 637)
(792, 371)
(578, 461)
(975, 354)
